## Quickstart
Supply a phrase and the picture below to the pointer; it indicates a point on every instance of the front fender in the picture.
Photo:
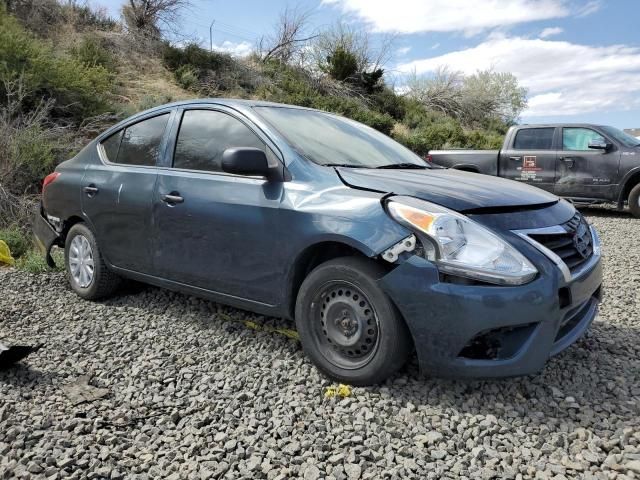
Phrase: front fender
(344, 215)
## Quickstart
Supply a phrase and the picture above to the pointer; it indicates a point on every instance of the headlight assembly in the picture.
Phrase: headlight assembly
(460, 246)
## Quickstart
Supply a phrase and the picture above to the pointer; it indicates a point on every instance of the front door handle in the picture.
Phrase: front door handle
(568, 160)
(515, 159)
(172, 199)
(90, 190)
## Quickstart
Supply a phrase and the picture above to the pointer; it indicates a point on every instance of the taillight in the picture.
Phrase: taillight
(49, 179)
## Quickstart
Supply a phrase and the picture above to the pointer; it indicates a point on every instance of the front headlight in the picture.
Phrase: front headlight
(461, 246)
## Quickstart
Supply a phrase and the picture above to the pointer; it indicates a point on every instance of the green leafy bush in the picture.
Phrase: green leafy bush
(444, 134)
(387, 101)
(31, 156)
(187, 77)
(77, 88)
(92, 52)
(483, 140)
(342, 64)
(17, 241)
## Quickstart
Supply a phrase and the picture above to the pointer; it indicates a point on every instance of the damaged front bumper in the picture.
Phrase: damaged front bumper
(45, 235)
(462, 329)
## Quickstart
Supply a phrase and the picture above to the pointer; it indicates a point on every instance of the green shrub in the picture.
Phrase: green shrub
(342, 64)
(17, 241)
(187, 77)
(444, 134)
(31, 155)
(483, 140)
(92, 52)
(196, 57)
(387, 101)
(77, 88)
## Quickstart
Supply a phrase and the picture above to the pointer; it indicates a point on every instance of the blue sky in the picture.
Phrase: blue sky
(579, 59)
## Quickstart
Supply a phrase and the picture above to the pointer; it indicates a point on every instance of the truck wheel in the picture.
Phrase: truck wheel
(347, 324)
(87, 272)
(634, 201)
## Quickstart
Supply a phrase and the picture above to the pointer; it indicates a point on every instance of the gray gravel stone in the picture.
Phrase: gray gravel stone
(199, 390)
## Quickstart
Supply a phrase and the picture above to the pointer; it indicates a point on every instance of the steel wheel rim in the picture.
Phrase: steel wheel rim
(81, 264)
(345, 325)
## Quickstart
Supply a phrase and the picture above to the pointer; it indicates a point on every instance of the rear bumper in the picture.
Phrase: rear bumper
(45, 236)
(492, 331)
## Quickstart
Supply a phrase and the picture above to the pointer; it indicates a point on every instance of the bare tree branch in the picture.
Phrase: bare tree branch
(289, 38)
(154, 16)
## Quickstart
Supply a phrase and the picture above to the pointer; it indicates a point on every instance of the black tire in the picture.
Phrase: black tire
(103, 282)
(634, 201)
(348, 326)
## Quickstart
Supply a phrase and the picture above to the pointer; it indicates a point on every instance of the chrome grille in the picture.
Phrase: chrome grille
(574, 245)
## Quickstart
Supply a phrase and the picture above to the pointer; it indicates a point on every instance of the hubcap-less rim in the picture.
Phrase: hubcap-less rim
(346, 326)
(81, 261)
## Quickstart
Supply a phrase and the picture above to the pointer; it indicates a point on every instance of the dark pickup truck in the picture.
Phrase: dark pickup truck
(586, 163)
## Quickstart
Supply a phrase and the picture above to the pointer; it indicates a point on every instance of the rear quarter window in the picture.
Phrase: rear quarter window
(534, 139)
(137, 144)
(111, 146)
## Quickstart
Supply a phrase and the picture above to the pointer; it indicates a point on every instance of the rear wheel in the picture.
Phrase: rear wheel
(347, 324)
(87, 271)
(634, 201)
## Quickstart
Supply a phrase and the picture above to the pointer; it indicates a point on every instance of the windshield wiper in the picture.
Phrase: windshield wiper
(348, 165)
(404, 165)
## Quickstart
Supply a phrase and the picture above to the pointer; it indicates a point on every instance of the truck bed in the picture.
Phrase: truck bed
(482, 161)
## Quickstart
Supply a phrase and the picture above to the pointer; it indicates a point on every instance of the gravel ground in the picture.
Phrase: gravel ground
(197, 390)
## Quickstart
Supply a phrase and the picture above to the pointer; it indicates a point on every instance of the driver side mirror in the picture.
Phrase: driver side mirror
(247, 161)
(598, 145)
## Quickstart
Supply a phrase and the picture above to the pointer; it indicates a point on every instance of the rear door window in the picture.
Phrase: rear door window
(534, 139)
(205, 134)
(137, 144)
(579, 138)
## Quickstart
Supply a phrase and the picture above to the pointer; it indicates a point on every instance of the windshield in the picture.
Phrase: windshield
(622, 137)
(331, 140)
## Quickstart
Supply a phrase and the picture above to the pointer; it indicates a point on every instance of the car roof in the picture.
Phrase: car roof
(235, 103)
(555, 125)
(227, 102)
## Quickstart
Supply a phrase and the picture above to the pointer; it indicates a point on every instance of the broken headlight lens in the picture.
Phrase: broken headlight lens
(460, 246)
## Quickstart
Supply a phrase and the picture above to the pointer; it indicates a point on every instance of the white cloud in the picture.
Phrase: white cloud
(550, 32)
(562, 77)
(239, 49)
(412, 16)
(435, 46)
(403, 50)
(590, 7)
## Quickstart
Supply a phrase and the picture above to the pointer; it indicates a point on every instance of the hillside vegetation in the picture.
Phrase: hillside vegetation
(67, 72)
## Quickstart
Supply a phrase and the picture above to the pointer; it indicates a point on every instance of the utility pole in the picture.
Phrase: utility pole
(211, 34)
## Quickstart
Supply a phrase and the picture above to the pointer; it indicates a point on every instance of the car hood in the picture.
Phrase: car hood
(454, 189)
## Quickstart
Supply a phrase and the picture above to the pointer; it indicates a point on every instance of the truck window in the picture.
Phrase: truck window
(579, 138)
(534, 139)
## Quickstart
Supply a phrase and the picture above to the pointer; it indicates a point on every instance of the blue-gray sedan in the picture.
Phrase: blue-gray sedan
(298, 213)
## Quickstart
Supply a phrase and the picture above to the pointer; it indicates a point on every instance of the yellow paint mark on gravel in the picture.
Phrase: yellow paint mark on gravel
(341, 390)
(287, 332)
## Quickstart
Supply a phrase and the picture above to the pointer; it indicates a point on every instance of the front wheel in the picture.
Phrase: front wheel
(634, 201)
(87, 271)
(348, 326)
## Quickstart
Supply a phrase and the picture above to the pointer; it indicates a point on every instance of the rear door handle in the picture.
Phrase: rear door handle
(172, 199)
(90, 190)
(515, 159)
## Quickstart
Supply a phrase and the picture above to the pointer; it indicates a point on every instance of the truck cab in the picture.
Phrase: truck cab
(583, 162)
